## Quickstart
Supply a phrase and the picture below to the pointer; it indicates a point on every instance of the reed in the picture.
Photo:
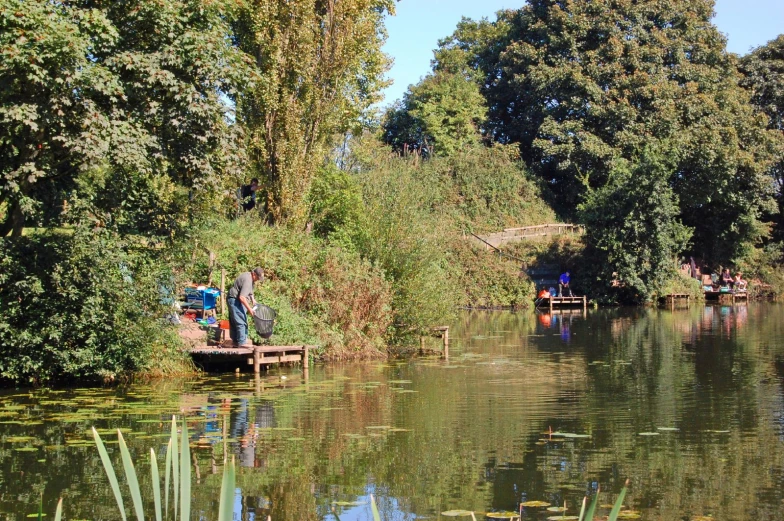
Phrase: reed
(177, 467)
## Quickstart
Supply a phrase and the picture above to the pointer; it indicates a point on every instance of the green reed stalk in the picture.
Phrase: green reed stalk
(226, 508)
(618, 504)
(107, 466)
(185, 475)
(175, 465)
(167, 464)
(130, 477)
(59, 512)
(374, 509)
(156, 484)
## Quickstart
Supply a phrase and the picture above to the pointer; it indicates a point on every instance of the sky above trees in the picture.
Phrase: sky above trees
(418, 25)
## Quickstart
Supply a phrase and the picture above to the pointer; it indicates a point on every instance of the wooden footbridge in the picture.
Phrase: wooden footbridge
(528, 232)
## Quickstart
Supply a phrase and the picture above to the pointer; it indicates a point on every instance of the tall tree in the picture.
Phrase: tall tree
(763, 71)
(444, 112)
(582, 85)
(116, 97)
(322, 68)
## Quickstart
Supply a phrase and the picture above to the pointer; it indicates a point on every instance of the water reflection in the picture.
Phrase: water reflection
(686, 403)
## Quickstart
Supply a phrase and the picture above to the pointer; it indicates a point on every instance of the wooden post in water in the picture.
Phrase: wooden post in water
(421, 344)
(446, 344)
(305, 358)
(256, 360)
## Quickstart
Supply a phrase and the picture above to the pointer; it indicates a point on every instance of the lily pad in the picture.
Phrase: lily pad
(649, 434)
(535, 504)
(562, 518)
(349, 503)
(456, 513)
(629, 514)
(502, 515)
(667, 429)
(570, 435)
(556, 509)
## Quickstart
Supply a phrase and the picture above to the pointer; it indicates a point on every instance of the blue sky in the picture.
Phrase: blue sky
(419, 24)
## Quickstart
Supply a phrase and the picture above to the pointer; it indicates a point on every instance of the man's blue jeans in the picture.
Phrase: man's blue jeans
(238, 321)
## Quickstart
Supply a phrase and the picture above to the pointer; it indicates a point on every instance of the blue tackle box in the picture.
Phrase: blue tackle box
(205, 299)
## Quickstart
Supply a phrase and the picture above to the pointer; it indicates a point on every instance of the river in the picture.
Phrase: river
(687, 404)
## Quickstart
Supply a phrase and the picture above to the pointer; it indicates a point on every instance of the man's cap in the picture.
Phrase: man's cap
(259, 273)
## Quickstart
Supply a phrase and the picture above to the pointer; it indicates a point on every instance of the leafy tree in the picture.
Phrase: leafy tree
(444, 111)
(322, 68)
(763, 71)
(130, 90)
(581, 86)
(632, 228)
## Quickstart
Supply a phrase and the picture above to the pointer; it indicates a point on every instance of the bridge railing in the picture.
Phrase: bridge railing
(529, 232)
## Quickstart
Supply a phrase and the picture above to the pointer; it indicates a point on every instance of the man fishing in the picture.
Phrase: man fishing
(241, 301)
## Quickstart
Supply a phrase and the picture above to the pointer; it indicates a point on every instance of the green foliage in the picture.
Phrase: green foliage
(131, 89)
(581, 85)
(443, 113)
(324, 294)
(321, 69)
(491, 280)
(337, 209)
(81, 306)
(404, 236)
(632, 229)
(763, 71)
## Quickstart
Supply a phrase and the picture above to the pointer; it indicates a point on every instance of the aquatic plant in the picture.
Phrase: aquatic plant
(177, 467)
(616, 509)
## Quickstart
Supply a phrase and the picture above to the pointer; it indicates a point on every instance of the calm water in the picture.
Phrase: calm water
(687, 405)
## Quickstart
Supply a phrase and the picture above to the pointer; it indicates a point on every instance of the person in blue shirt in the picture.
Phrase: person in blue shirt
(563, 284)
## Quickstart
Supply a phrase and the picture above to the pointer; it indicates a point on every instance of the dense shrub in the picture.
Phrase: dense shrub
(324, 294)
(81, 306)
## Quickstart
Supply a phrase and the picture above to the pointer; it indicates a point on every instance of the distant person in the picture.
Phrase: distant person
(738, 282)
(563, 284)
(241, 301)
(726, 278)
(248, 195)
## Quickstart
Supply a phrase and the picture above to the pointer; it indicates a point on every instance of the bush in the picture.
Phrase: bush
(323, 293)
(81, 306)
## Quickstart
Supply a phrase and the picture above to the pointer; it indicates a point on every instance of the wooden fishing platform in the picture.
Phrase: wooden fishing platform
(727, 296)
(255, 356)
(561, 302)
(672, 298)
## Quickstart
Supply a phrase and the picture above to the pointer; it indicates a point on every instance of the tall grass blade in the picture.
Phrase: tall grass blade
(156, 484)
(59, 512)
(166, 482)
(185, 475)
(592, 508)
(107, 466)
(374, 509)
(618, 504)
(41, 507)
(226, 509)
(582, 509)
(130, 477)
(175, 466)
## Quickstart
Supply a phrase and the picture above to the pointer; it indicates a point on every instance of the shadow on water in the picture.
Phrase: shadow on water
(686, 403)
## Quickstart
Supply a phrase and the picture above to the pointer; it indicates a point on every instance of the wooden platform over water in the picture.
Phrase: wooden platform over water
(255, 356)
(561, 302)
(727, 296)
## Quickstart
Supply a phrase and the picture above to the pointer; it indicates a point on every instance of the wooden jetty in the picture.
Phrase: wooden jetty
(255, 356)
(561, 302)
(443, 332)
(727, 296)
(672, 298)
